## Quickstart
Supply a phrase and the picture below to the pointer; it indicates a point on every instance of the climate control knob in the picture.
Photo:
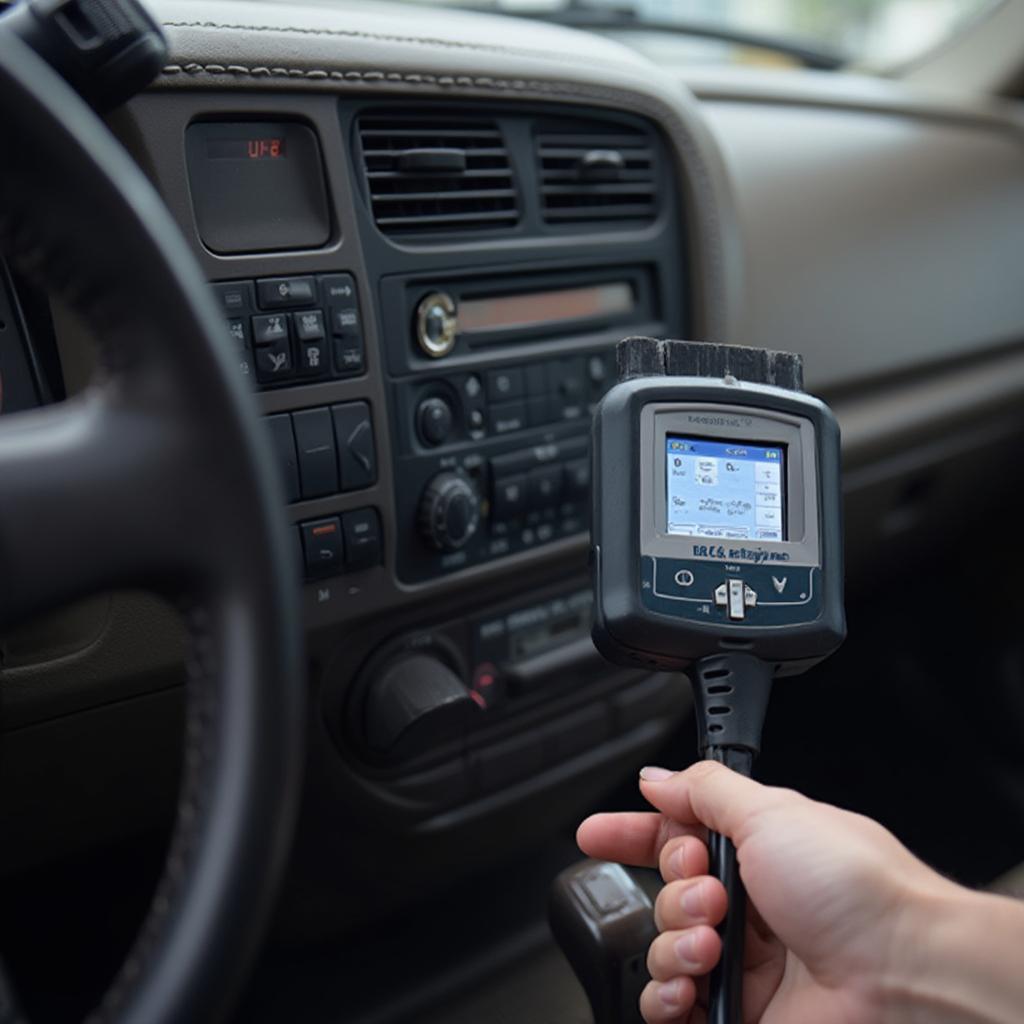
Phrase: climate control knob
(449, 512)
(416, 702)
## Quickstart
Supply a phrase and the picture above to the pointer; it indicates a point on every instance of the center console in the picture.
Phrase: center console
(426, 299)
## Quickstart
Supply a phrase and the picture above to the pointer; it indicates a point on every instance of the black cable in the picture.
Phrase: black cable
(731, 694)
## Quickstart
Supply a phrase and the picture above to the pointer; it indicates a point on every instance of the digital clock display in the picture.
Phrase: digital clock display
(257, 186)
(237, 148)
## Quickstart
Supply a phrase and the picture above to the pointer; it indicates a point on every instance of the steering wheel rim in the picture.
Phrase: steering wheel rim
(153, 477)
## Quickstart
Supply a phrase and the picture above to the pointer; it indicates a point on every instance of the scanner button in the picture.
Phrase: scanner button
(721, 595)
(737, 608)
(749, 596)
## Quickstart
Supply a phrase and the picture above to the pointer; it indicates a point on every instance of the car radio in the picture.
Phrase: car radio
(494, 380)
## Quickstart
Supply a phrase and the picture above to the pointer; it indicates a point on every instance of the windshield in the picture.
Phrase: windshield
(818, 33)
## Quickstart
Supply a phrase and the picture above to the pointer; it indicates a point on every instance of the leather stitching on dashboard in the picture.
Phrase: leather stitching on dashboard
(406, 77)
(378, 36)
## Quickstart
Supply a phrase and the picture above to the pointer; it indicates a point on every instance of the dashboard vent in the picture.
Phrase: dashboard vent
(606, 174)
(437, 174)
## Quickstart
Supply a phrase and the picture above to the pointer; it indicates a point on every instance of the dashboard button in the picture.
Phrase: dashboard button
(536, 380)
(509, 497)
(279, 292)
(238, 328)
(568, 384)
(345, 320)
(545, 485)
(269, 330)
(314, 442)
(235, 297)
(512, 462)
(361, 529)
(538, 411)
(274, 362)
(338, 289)
(507, 417)
(309, 326)
(503, 385)
(348, 354)
(323, 547)
(357, 457)
(314, 360)
(283, 441)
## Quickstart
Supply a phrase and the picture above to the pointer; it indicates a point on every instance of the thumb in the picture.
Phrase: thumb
(710, 794)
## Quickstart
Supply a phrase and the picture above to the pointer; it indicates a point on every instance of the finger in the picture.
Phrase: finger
(710, 794)
(692, 902)
(628, 837)
(683, 857)
(690, 951)
(667, 1001)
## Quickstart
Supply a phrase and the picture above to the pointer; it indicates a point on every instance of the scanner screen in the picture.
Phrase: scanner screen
(727, 489)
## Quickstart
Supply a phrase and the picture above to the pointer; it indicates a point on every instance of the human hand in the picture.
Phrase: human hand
(837, 904)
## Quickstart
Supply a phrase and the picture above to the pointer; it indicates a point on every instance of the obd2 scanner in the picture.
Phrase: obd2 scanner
(717, 549)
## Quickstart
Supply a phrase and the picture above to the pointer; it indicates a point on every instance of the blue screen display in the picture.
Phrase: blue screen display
(722, 489)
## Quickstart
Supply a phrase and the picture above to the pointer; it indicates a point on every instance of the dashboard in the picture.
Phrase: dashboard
(424, 248)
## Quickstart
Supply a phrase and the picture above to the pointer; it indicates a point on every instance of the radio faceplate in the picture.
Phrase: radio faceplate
(493, 382)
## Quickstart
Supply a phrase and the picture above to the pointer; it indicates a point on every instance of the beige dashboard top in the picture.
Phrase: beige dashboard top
(302, 38)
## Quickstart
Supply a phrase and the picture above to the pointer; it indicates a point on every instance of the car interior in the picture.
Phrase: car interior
(302, 329)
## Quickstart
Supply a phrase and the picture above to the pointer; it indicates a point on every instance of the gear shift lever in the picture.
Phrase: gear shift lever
(604, 923)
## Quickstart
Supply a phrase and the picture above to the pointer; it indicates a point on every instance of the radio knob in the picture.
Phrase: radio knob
(449, 512)
(436, 324)
(434, 420)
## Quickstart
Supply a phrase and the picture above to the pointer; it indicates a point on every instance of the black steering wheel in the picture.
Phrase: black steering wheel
(156, 476)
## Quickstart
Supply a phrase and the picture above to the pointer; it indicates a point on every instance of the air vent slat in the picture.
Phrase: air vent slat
(595, 176)
(585, 213)
(570, 175)
(594, 140)
(457, 197)
(588, 189)
(437, 219)
(631, 155)
(475, 172)
(471, 154)
(409, 196)
(432, 132)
